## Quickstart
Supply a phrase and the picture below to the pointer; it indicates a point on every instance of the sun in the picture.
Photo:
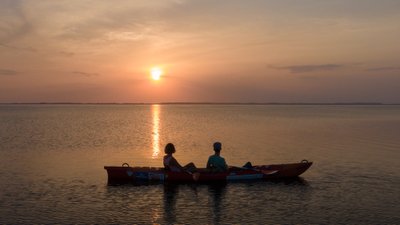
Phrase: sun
(156, 73)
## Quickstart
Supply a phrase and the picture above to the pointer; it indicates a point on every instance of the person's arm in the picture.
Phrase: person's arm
(209, 163)
(225, 165)
(175, 163)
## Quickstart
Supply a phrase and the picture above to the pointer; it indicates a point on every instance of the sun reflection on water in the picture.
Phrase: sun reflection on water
(155, 109)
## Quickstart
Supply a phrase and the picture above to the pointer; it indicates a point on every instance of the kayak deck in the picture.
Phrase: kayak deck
(127, 174)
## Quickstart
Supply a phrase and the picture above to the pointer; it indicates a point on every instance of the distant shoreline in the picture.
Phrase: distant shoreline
(197, 103)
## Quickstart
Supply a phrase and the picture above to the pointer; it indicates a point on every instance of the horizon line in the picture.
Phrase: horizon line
(197, 103)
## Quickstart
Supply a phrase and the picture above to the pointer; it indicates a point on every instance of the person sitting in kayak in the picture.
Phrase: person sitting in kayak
(171, 164)
(215, 162)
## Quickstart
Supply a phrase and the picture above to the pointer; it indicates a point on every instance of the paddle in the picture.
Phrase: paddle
(265, 172)
(247, 167)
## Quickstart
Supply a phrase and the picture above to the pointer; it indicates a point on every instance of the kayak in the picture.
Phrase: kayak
(126, 174)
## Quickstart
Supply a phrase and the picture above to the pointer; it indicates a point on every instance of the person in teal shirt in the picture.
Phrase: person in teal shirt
(215, 162)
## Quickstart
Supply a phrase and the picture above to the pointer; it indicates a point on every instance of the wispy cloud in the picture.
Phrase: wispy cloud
(129, 23)
(26, 49)
(85, 74)
(6, 72)
(381, 69)
(309, 68)
(66, 53)
(14, 24)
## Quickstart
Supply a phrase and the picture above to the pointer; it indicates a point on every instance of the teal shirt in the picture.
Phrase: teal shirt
(216, 162)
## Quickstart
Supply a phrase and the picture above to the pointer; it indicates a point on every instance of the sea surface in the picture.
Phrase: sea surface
(52, 159)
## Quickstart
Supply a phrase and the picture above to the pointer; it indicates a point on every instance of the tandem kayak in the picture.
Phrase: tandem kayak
(126, 174)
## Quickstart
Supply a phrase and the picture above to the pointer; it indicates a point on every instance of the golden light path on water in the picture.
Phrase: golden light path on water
(155, 109)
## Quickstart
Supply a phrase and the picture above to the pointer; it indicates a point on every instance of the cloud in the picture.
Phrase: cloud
(309, 68)
(131, 21)
(86, 74)
(5, 72)
(92, 20)
(66, 53)
(14, 23)
(381, 69)
(26, 49)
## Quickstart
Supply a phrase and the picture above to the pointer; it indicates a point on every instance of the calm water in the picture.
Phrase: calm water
(52, 159)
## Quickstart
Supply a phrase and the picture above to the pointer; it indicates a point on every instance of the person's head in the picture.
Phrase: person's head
(217, 146)
(169, 148)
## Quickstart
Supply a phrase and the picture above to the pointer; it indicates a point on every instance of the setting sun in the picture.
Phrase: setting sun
(156, 73)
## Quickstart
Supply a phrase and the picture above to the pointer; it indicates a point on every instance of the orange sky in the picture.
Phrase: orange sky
(210, 51)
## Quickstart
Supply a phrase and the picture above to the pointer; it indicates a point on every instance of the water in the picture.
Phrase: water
(52, 159)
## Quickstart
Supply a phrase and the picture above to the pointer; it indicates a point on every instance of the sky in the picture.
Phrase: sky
(293, 51)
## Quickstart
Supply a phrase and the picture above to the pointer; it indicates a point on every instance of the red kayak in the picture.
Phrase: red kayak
(127, 174)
